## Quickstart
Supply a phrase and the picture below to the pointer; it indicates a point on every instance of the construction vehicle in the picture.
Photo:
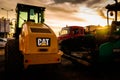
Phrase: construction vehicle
(113, 9)
(110, 51)
(67, 34)
(74, 41)
(74, 38)
(34, 42)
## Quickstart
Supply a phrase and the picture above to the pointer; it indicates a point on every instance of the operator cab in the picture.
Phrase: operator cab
(113, 10)
(109, 52)
(28, 13)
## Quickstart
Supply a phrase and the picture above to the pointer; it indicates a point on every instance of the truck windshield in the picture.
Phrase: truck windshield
(64, 31)
(24, 16)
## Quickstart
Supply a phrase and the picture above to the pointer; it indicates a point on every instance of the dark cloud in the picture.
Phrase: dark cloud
(102, 14)
(64, 17)
(70, 1)
(88, 3)
(61, 9)
(93, 3)
(72, 18)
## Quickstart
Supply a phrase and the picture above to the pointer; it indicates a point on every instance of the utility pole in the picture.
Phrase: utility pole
(7, 10)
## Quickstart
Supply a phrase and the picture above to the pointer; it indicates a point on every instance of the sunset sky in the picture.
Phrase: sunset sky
(60, 13)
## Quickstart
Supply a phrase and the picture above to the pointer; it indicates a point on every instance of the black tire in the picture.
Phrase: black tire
(13, 58)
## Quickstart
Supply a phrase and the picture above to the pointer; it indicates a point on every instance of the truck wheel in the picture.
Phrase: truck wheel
(13, 58)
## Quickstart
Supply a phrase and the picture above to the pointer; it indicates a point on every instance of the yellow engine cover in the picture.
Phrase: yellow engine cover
(39, 44)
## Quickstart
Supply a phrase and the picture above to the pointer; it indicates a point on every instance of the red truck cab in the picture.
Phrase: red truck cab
(70, 32)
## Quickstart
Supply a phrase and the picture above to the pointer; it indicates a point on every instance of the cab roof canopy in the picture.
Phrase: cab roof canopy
(113, 7)
(25, 7)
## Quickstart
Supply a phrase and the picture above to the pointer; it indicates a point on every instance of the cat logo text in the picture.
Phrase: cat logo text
(43, 42)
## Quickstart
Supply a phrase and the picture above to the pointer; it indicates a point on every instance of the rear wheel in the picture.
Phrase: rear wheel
(13, 58)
